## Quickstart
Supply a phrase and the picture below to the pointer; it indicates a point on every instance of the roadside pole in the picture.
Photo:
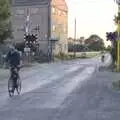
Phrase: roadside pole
(49, 32)
(118, 41)
(75, 40)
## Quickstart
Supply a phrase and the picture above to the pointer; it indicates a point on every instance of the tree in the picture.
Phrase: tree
(94, 42)
(109, 48)
(82, 40)
(5, 23)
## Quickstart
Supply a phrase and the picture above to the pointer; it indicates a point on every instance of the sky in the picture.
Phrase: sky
(92, 17)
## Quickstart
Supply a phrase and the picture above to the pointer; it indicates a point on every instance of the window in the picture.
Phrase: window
(64, 13)
(59, 12)
(53, 28)
(53, 10)
(65, 46)
(20, 28)
(64, 29)
(34, 10)
(20, 12)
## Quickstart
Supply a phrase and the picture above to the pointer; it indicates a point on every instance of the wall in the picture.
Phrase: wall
(59, 25)
(38, 17)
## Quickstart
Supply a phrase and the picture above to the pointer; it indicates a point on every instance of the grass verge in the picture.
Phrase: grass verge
(62, 56)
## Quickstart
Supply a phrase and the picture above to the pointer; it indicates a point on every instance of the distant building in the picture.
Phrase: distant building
(46, 18)
(80, 41)
(60, 24)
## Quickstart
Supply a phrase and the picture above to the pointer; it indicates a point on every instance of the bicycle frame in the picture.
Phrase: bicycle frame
(14, 81)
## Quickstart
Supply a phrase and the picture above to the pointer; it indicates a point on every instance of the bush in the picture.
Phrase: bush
(71, 56)
(116, 85)
(77, 48)
(83, 55)
(41, 57)
(62, 56)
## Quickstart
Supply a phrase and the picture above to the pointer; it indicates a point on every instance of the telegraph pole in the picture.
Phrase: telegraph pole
(49, 32)
(118, 41)
(75, 39)
(27, 21)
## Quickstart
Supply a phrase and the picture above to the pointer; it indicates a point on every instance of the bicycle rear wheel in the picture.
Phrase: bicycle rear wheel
(11, 88)
(18, 88)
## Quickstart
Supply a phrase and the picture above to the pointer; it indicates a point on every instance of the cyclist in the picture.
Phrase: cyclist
(13, 59)
(103, 58)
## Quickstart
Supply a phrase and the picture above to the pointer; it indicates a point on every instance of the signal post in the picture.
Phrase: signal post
(118, 38)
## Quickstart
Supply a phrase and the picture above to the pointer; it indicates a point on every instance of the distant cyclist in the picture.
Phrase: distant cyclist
(103, 58)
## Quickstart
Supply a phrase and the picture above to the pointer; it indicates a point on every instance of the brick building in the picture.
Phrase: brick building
(60, 24)
(46, 18)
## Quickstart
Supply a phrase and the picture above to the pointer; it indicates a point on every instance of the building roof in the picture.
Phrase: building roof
(60, 4)
(29, 2)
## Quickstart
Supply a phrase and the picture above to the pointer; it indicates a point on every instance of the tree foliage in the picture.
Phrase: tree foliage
(94, 42)
(108, 48)
(5, 23)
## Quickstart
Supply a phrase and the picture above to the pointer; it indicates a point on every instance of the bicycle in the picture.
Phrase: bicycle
(14, 83)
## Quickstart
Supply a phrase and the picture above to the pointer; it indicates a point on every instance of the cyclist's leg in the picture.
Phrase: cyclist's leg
(10, 73)
(18, 72)
(11, 80)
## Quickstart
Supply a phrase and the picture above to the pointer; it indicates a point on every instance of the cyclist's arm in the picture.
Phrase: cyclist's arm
(19, 58)
(7, 57)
